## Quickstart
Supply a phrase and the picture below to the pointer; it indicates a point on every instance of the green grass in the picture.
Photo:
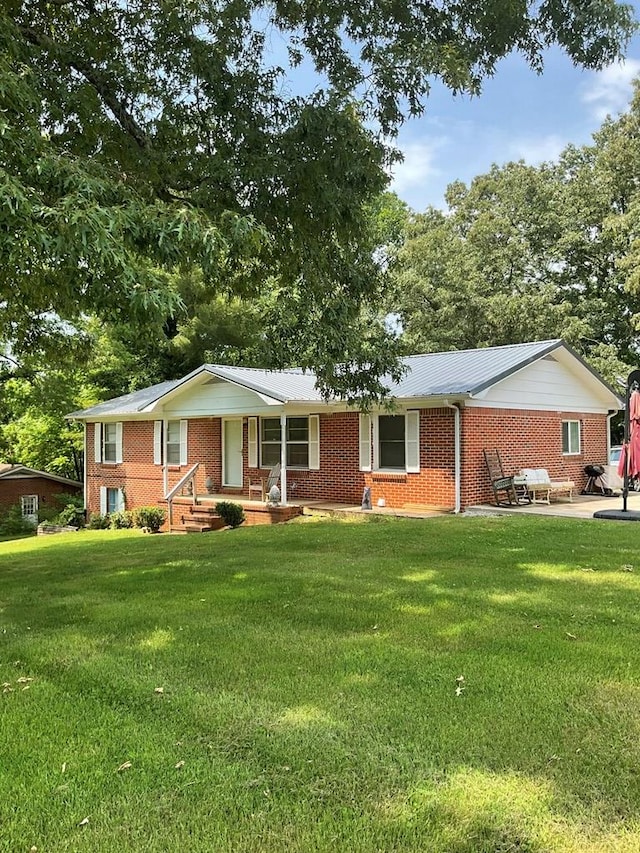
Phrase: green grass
(309, 686)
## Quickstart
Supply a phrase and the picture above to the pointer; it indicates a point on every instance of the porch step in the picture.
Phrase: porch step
(195, 519)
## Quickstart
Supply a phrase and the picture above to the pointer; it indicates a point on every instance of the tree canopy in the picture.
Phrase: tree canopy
(142, 139)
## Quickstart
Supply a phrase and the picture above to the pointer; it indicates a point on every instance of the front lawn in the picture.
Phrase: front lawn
(294, 688)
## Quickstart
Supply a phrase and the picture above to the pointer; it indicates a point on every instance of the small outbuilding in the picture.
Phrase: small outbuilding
(33, 490)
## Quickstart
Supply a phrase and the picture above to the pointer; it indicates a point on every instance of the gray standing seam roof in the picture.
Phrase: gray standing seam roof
(440, 374)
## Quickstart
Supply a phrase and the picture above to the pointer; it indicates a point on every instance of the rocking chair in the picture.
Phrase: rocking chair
(500, 483)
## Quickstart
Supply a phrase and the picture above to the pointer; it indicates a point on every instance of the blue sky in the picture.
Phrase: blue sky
(520, 115)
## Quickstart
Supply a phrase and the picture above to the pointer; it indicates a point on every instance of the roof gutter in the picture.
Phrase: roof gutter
(457, 454)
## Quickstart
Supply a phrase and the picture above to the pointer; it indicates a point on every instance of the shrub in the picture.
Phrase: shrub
(13, 523)
(98, 522)
(121, 520)
(72, 515)
(151, 517)
(232, 514)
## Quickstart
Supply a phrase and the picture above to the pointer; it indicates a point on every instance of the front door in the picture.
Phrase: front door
(232, 453)
(30, 508)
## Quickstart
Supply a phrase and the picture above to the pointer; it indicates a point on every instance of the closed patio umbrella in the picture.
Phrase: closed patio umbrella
(629, 462)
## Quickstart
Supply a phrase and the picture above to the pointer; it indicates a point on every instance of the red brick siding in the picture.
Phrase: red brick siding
(526, 439)
(11, 491)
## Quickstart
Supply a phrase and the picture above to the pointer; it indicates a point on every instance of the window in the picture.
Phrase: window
(297, 438)
(571, 437)
(110, 442)
(391, 438)
(107, 439)
(113, 500)
(269, 442)
(395, 444)
(173, 442)
(170, 444)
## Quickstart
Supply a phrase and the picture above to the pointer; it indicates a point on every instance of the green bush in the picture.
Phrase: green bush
(98, 522)
(13, 523)
(72, 514)
(121, 520)
(151, 517)
(232, 514)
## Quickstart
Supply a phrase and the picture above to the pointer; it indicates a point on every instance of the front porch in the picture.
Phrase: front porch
(199, 516)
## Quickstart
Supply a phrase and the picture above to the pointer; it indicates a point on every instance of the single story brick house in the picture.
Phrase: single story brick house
(539, 403)
(31, 489)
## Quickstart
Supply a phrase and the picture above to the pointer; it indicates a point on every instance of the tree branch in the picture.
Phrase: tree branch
(96, 79)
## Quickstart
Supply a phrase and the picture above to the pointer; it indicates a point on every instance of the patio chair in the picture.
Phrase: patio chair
(263, 485)
(501, 484)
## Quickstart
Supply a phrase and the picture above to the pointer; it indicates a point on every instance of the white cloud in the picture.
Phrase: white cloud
(417, 167)
(536, 150)
(609, 90)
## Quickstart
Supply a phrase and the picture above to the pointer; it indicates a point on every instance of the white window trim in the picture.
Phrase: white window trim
(99, 442)
(312, 443)
(183, 433)
(569, 451)
(411, 442)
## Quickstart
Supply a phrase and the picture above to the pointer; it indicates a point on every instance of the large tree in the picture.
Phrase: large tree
(143, 136)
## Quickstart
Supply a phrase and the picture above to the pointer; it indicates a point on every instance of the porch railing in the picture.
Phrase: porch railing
(190, 476)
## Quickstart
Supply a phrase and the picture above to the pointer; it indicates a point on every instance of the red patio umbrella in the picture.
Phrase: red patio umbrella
(629, 461)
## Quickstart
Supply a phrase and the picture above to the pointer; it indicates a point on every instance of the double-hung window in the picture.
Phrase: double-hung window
(173, 442)
(108, 442)
(302, 442)
(297, 442)
(270, 452)
(170, 442)
(571, 437)
(390, 442)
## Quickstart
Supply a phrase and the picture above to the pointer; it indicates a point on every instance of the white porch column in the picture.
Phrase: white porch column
(165, 469)
(283, 458)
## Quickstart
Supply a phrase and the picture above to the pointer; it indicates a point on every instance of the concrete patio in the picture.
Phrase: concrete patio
(582, 506)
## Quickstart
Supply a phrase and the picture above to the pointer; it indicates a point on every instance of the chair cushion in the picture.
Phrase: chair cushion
(535, 475)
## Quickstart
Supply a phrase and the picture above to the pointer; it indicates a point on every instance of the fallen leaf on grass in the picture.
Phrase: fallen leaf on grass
(179, 765)
(84, 821)
(538, 627)
(459, 690)
(627, 568)
(125, 766)
(64, 766)
(24, 679)
(159, 690)
(570, 636)
(460, 679)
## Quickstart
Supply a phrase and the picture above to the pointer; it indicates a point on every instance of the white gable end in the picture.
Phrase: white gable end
(557, 382)
(217, 397)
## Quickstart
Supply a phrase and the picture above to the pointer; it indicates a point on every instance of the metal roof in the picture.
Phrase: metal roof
(440, 374)
(8, 471)
(136, 401)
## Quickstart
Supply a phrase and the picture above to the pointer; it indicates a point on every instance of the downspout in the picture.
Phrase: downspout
(457, 454)
(84, 465)
(163, 451)
(283, 459)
